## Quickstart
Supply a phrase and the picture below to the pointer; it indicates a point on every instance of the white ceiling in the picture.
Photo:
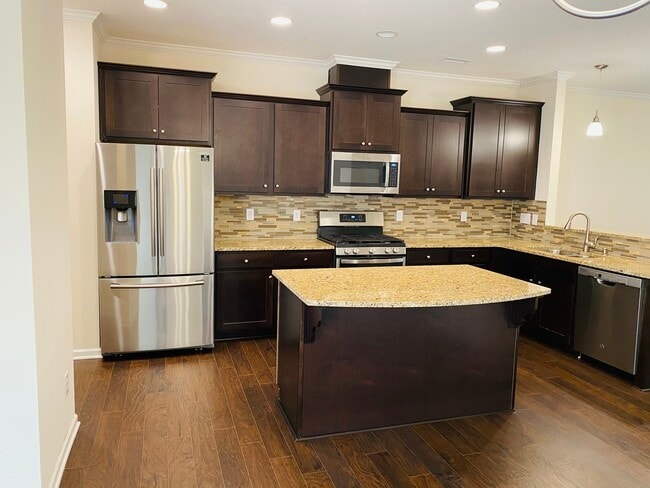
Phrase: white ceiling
(540, 37)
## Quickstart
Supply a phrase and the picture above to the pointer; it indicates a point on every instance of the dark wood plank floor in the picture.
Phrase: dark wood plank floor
(211, 419)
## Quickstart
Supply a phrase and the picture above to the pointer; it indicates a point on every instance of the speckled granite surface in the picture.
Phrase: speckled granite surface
(276, 244)
(409, 286)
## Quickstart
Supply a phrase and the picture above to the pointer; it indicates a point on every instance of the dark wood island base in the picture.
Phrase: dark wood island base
(349, 369)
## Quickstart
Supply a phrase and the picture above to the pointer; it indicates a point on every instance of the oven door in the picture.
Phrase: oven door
(364, 173)
(356, 262)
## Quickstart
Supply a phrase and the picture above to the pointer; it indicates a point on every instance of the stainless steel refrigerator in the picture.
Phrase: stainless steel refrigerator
(155, 243)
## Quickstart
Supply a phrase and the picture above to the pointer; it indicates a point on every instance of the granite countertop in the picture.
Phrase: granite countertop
(616, 264)
(401, 287)
(271, 244)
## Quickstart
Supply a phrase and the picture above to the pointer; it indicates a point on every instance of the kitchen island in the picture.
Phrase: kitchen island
(366, 348)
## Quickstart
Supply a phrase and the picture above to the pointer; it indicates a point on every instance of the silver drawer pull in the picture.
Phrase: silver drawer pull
(157, 285)
(428, 257)
(306, 259)
(245, 260)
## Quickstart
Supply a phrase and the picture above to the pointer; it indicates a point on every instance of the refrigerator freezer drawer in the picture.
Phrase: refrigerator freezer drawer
(148, 314)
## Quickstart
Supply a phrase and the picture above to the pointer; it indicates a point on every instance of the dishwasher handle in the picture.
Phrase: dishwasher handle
(602, 282)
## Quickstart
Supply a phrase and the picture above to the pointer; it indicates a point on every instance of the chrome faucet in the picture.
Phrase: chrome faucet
(587, 245)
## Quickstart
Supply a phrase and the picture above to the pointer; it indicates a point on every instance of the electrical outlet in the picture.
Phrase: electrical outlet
(463, 216)
(67, 382)
(296, 215)
(399, 215)
(524, 218)
(534, 219)
(250, 214)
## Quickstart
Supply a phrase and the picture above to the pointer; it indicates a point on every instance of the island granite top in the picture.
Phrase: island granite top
(402, 287)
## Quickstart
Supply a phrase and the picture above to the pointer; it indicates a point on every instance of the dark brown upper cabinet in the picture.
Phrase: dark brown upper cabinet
(269, 145)
(363, 119)
(139, 104)
(432, 151)
(503, 148)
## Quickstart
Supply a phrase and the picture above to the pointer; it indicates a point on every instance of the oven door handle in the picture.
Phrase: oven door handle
(372, 261)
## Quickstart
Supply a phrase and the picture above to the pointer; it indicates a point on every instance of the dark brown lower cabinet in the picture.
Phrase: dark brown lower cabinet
(478, 256)
(246, 292)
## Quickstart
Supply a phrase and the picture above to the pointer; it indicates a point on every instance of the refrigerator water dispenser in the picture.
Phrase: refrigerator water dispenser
(120, 215)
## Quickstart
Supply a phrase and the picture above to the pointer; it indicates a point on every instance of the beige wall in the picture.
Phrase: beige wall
(36, 303)
(80, 85)
(606, 177)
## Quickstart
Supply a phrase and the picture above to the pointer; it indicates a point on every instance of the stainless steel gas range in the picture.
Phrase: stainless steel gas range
(359, 239)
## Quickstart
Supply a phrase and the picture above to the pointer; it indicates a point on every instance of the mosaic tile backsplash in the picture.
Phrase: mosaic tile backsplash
(423, 217)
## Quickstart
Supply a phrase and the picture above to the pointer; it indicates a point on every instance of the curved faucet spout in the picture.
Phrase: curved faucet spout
(587, 245)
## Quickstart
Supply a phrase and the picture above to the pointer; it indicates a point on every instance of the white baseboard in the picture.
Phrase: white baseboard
(95, 353)
(65, 452)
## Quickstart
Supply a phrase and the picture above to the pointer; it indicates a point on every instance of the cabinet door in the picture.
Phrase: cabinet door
(348, 120)
(557, 309)
(382, 122)
(447, 156)
(129, 104)
(243, 146)
(300, 152)
(414, 153)
(424, 256)
(184, 109)
(487, 121)
(243, 303)
(519, 161)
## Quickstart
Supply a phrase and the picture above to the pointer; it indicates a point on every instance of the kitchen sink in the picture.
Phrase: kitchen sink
(570, 253)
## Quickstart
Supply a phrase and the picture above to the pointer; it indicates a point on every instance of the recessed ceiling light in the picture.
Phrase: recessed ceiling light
(386, 34)
(281, 21)
(495, 49)
(487, 5)
(155, 3)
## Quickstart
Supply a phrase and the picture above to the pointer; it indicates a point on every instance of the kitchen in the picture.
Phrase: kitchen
(423, 91)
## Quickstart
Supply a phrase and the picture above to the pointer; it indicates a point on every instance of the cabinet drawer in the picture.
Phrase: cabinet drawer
(471, 256)
(303, 259)
(243, 260)
(417, 257)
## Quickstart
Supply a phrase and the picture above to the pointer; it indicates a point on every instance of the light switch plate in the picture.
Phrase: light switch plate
(250, 214)
(463, 216)
(524, 218)
(296, 215)
(534, 219)
(399, 215)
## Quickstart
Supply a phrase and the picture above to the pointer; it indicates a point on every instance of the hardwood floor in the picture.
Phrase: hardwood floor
(211, 419)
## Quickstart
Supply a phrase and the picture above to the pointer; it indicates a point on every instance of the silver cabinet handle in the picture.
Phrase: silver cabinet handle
(372, 261)
(154, 130)
(161, 209)
(270, 277)
(265, 185)
(162, 131)
(433, 189)
(305, 259)
(473, 255)
(370, 143)
(503, 191)
(157, 285)
(152, 202)
(245, 260)
(363, 143)
(428, 189)
(277, 186)
(498, 191)
(428, 257)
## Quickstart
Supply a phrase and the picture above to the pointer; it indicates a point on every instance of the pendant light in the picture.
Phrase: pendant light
(595, 128)
(600, 14)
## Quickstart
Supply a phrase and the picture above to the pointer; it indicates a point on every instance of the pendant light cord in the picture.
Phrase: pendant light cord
(600, 14)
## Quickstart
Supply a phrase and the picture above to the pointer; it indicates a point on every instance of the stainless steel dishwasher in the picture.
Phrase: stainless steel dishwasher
(608, 317)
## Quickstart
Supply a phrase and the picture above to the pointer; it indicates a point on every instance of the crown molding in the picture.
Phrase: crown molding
(480, 80)
(364, 62)
(162, 47)
(80, 15)
(609, 93)
(553, 76)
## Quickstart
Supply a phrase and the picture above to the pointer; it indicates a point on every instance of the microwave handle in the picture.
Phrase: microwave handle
(383, 177)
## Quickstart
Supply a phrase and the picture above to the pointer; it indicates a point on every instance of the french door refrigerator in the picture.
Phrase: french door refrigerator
(155, 243)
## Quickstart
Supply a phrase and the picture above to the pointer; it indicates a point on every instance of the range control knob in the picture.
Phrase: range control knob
(396, 249)
(371, 251)
(388, 250)
(348, 251)
(355, 251)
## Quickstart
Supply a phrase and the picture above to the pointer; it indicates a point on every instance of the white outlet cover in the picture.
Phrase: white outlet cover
(463, 216)
(399, 215)
(524, 218)
(250, 214)
(296, 215)
(534, 219)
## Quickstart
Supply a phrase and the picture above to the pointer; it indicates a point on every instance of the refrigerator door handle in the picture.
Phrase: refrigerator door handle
(161, 212)
(152, 197)
(157, 285)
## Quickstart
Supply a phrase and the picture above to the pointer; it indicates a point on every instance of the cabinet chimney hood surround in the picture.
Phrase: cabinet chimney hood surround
(358, 78)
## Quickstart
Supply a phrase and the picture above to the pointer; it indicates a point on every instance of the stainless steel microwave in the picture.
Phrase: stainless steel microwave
(364, 173)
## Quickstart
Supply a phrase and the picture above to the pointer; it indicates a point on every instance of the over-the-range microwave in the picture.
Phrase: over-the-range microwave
(352, 172)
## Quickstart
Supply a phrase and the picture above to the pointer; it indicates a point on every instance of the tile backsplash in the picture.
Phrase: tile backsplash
(423, 217)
